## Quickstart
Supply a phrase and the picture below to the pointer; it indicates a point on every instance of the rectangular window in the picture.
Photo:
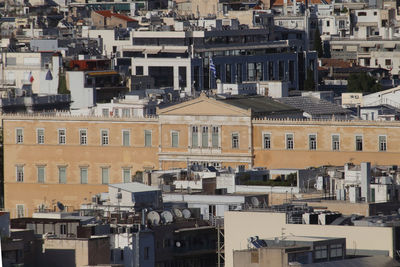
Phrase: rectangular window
(19, 134)
(195, 136)
(83, 136)
(335, 142)
(126, 173)
(40, 174)
(235, 140)
(251, 75)
(228, 73)
(63, 229)
(204, 137)
(174, 139)
(267, 141)
(62, 175)
(126, 112)
(105, 112)
(20, 173)
(312, 142)
(238, 77)
(321, 252)
(61, 136)
(40, 136)
(104, 137)
(126, 136)
(289, 141)
(215, 137)
(336, 250)
(84, 175)
(359, 143)
(20, 210)
(147, 138)
(104, 175)
(382, 143)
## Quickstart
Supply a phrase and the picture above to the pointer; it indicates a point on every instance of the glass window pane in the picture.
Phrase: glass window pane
(83, 136)
(62, 175)
(40, 172)
(204, 137)
(215, 137)
(126, 138)
(84, 175)
(195, 136)
(175, 139)
(40, 136)
(127, 175)
(147, 138)
(104, 175)
(267, 141)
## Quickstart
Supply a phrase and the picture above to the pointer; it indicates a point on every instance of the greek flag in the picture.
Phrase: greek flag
(212, 68)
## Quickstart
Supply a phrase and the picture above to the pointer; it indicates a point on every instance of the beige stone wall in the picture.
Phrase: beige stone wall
(241, 225)
(300, 157)
(73, 156)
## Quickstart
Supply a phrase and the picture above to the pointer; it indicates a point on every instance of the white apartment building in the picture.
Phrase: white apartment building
(40, 70)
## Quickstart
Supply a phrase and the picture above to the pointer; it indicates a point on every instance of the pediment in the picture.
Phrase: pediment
(204, 106)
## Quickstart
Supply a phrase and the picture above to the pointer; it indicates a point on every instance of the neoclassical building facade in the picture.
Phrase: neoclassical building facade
(68, 159)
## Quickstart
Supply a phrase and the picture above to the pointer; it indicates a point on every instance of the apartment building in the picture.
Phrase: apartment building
(181, 59)
(70, 158)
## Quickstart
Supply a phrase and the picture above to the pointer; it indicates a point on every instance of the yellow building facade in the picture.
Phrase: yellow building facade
(67, 159)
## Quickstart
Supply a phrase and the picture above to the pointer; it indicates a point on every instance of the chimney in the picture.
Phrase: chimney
(365, 180)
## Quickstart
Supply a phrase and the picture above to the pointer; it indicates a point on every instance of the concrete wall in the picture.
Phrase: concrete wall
(241, 225)
(81, 96)
(75, 252)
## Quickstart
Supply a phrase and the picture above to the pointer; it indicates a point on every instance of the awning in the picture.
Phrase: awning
(152, 50)
(367, 45)
(351, 48)
(178, 49)
(133, 49)
(337, 46)
(389, 45)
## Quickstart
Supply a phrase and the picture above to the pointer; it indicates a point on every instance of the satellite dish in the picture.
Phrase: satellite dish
(177, 213)
(60, 206)
(255, 202)
(153, 218)
(167, 217)
(186, 213)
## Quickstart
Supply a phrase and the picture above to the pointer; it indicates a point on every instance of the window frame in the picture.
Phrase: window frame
(59, 174)
(176, 133)
(194, 129)
(123, 174)
(379, 143)
(19, 138)
(356, 138)
(205, 136)
(235, 145)
(310, 146)
(81, 168)
(19, 173)
(104, 139)
(333, 144)
(215, 134)
(123, 137)
(102, 175)
(40, 137)
(83, 137)
(264, 134)
(287, 146)
(148, 132)
(62, 138)
(17, 210)
(38, 167)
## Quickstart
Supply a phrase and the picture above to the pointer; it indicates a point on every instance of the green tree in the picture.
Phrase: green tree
(309, 83)
(318, 43)
(362, 82)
